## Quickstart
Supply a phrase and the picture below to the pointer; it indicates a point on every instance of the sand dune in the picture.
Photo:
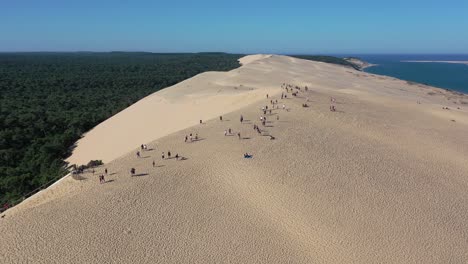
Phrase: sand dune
(381, 180)
(202, 97)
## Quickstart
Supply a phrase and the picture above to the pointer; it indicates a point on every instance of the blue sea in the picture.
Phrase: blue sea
(443, 75)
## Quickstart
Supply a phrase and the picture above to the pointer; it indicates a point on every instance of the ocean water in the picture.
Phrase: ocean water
(443, 75)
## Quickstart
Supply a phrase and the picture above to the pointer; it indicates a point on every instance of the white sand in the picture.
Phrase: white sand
(202, 97)
(382, 180)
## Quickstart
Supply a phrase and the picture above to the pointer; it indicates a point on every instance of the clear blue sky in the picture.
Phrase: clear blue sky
(329, 26)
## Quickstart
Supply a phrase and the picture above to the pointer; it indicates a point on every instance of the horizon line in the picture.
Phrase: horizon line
(238, 53)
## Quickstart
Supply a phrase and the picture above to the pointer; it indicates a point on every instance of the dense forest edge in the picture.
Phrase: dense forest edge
(49, 99)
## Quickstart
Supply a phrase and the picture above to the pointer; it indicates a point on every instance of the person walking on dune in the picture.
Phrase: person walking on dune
(154, 164)
(132, 172)
(169, 154)
(241, 118)
(138, 154)
(238, 134)
(162, 155)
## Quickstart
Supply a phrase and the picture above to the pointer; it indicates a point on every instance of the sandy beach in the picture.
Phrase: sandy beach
(383, 179)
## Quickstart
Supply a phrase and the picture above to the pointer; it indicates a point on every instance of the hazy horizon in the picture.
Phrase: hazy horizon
(195, 52)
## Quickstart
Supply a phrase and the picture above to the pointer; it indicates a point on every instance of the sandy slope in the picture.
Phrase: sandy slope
(202, 97)
(382, 180)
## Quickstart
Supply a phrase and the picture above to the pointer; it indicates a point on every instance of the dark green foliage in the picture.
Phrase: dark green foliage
(94, 163)
(328, 59)
(48, 100)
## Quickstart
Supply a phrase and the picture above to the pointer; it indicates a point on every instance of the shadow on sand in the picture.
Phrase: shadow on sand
(140, 174)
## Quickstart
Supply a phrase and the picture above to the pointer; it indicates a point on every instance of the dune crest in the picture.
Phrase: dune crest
(202, 97)
(383, 179)
(252, 58)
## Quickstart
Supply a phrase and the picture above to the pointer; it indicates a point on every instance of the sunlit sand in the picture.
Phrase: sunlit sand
(383, 179)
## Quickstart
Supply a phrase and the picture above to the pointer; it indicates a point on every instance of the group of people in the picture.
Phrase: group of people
(101, 179)
(191, 138)
(169, 155)
(228, 132)
(256, 128)
(263, 120)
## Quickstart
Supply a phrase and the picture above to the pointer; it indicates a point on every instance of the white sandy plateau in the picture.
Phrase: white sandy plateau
(383, 179)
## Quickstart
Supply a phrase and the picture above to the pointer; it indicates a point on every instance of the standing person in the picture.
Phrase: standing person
(162, 155)
(225, 132)
(177, 156)
(201, 122)
(220, 118)
(101, 179)
(230, 131)
(186, 138)
(277, 117)
(241, 118)
(138, 154)
(191, 138)
(154, 163)
(105, 171)
(238, 134)
(267, 96)
(132, 172)
(169, 154)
